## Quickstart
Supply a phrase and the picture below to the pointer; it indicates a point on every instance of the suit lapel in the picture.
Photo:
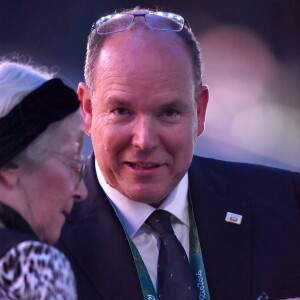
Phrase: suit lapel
(226, 247)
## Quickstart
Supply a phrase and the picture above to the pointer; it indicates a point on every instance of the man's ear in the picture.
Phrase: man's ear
(202, 100)
(9, 176)
(84, 96)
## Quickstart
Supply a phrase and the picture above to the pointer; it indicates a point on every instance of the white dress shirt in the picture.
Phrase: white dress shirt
(133, 215)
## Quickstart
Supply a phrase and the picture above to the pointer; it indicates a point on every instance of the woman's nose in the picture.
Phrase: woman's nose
(81, 191)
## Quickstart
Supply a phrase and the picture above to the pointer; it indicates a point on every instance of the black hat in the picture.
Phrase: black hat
(50, 102)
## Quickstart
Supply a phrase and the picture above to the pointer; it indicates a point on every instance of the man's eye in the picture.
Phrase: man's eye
(121, 111)
(171, 113)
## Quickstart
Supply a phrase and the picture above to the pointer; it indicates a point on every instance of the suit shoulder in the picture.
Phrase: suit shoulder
(230, 166)
(252, 178)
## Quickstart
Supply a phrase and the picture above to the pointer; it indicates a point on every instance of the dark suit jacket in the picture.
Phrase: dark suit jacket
(241, 261)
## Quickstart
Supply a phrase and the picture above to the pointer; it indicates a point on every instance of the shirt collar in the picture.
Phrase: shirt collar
(133, 214)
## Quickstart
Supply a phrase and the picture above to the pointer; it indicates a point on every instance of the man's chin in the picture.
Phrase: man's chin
(147, 197)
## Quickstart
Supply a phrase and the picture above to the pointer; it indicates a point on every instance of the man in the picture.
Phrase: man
(144, 105)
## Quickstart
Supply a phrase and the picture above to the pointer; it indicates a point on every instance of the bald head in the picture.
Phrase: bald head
(96, 42)
(141, 50)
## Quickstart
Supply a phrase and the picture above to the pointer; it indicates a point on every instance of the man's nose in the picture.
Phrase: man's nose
(145, 134)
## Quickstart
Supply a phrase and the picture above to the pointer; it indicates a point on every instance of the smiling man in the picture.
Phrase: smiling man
(147, 111)
(144, 106)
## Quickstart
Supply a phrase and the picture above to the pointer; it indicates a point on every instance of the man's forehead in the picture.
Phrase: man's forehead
(141, 39)
(135, 61)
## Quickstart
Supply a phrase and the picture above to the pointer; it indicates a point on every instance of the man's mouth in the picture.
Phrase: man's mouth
(143, 165)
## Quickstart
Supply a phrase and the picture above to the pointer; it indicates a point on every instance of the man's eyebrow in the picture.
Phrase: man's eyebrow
(175, 103)
(117, 100)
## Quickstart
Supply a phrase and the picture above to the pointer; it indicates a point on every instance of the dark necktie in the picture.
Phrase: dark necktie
(174, 274)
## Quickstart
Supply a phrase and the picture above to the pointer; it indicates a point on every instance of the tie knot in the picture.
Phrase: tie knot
(160, 221)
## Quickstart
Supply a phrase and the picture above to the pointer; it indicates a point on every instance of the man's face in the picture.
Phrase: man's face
(143, 115)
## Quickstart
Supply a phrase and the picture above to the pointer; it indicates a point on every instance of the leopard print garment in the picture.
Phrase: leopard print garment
(36, 271)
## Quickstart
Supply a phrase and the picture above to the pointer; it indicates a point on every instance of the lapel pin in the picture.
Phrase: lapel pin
(233, 218)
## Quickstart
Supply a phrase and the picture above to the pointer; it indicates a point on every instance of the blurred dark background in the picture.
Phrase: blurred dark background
(251, 52)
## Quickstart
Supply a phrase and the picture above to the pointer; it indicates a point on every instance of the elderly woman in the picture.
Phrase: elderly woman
(41, 167)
